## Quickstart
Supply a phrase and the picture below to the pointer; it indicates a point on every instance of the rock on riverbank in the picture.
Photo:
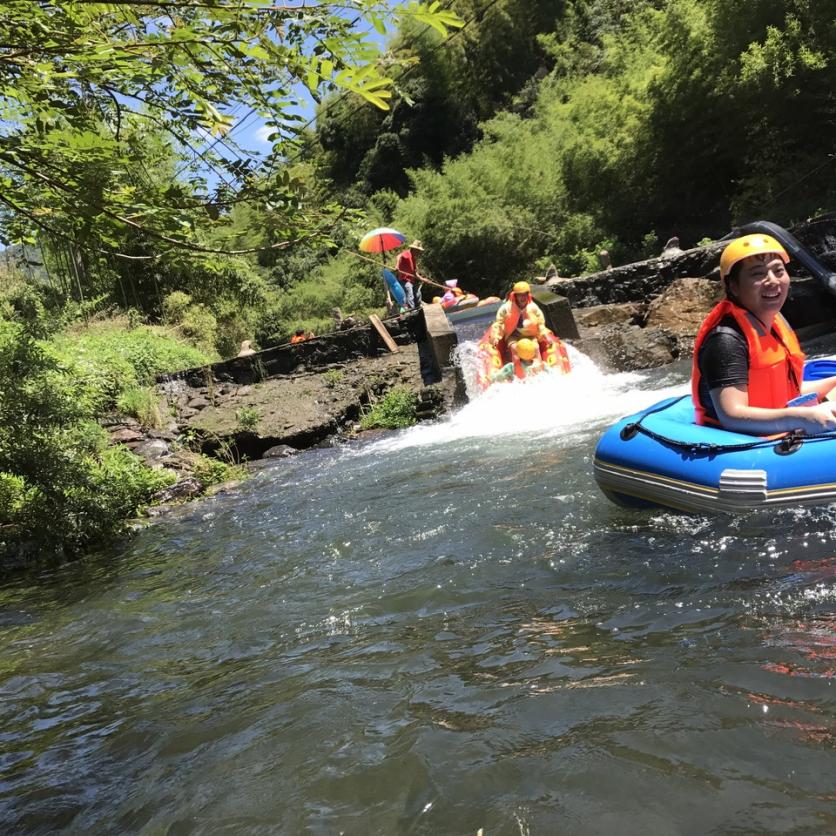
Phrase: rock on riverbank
(302, 409)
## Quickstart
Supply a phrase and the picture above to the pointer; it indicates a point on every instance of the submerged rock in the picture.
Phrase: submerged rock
(184, 489)
(279, 451)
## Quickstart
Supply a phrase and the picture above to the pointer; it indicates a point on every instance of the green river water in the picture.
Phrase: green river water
(445, 629)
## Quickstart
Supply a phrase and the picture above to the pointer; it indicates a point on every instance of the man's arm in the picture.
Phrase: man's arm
(498, 327)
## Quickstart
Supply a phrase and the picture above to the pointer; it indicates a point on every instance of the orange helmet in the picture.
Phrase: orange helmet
(526, 349)
(741, 248)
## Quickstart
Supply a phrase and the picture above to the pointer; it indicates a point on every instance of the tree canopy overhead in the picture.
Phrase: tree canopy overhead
(82, 82)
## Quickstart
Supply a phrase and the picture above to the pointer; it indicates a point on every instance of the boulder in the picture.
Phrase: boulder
(683, 305)
(628, 349)
(125, 435)
(223, 487)
(154, 451)
(624, 313)
(182, 490)
(280, 451)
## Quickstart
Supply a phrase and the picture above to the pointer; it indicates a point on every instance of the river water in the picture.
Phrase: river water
(444, 629)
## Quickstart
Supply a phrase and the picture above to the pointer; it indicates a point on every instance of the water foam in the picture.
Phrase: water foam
(543, 406)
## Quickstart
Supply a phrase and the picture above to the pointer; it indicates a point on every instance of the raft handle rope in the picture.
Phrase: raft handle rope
(788, 444)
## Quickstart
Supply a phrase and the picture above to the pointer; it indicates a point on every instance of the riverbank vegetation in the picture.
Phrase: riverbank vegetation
(505, 134)
(397, 409)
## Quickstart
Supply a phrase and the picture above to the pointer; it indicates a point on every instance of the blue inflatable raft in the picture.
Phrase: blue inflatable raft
(660, 457)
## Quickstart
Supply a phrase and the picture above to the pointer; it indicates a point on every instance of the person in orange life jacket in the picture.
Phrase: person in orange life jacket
(747, 363)
(518, 317)
(406, 271)
(298, 337)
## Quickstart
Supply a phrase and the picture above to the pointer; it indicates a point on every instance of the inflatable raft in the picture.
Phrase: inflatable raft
(460, 303)
(660, 457)
(490, 359)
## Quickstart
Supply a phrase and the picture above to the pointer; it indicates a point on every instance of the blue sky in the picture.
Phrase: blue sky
(249, 130)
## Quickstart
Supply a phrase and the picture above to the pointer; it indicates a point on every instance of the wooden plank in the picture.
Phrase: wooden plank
(384, 334)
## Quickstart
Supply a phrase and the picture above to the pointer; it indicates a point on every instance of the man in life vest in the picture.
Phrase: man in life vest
(748, 366)
(518, 317)
(298, 337)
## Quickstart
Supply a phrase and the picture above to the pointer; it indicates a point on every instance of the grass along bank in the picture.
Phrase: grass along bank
(63, 486)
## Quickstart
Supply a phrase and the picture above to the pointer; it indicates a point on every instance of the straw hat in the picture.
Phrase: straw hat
(416, 245)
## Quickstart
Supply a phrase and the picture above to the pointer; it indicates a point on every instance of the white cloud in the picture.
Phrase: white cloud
(263, 132)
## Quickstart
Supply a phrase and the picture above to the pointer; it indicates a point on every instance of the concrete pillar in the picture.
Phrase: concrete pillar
(557, 311)
(441, 337)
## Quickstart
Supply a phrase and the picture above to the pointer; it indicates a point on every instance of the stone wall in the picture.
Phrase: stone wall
(643, 280)
(285, 359)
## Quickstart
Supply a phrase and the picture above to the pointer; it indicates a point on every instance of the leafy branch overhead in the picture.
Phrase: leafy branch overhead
(84, 85)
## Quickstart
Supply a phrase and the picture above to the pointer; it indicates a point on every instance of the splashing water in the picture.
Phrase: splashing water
(546, 405)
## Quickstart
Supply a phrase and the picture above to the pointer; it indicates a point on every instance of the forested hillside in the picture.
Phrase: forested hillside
(633, 122)
(505, 134)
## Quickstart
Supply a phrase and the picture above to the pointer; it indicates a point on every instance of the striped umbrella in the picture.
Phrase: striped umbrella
(381, 239)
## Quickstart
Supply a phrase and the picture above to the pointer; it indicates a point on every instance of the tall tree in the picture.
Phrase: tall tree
(73, 72)
(448, 85)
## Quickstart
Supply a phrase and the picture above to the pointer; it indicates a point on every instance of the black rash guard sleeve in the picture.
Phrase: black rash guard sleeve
(723, 361)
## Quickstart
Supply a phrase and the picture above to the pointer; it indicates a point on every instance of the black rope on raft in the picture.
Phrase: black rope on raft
(788, 444)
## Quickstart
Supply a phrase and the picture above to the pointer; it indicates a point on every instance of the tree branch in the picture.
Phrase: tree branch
(54, 232)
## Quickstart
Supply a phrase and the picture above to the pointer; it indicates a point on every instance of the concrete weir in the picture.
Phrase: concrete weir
(309, 356)
(444, 327)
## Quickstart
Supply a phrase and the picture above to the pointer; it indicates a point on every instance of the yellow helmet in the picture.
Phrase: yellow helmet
(741, 248)
(526, 349)
(522, 287)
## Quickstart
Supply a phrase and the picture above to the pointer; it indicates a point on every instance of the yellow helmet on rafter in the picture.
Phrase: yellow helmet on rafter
(526, 349)
(757, 244)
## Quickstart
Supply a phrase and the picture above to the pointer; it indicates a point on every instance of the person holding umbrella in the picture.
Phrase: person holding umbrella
(381, 240)
(407, 273)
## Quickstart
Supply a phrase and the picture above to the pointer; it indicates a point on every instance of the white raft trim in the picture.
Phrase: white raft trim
(737, 492)
(743, 487)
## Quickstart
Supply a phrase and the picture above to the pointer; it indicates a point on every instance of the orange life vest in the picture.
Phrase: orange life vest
(300, 338)
(516, 313)
(776, 361)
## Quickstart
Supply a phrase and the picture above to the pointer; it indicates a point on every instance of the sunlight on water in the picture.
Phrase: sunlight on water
(546, 405)
(412, 636)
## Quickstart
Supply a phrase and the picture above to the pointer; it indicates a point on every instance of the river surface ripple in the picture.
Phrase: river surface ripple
(443, 630)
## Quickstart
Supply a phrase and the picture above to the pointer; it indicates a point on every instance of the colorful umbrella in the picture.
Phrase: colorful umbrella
(381, 239)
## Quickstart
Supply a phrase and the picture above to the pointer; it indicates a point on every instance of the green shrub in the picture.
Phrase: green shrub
(398, 408)
(175, 306)
(353, 285)
(12, 495)
(200, 327)
(247, 418)
(142, 404)
(110, 357)
(61, 488)
(125, 484)
(332, 377)
(209, 471)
